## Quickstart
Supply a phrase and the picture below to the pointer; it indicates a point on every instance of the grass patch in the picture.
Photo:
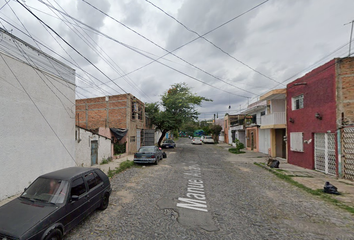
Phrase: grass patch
(235, 151)
(319, 192)
(122, 166)
(106, 160)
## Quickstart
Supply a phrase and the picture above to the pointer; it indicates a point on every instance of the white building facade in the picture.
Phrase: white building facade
(37, 104)
(91, 148)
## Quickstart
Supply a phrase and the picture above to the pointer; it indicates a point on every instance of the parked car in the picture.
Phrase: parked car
(54, 204)
(197, 140)
(148, 154)
(208, 139)
(168, 144)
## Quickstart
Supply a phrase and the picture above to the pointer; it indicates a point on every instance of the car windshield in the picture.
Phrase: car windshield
(147, 149)
(47, 190)
(168, 141)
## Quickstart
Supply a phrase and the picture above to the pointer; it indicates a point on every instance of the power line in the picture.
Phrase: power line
(169, 52)
(129, 47)
(69, 44)
(217, 47)
(114, 65)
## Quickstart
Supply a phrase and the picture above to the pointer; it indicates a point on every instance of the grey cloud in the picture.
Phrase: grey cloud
(208, 15)
(134, 13)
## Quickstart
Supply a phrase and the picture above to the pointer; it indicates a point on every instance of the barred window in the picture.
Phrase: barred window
(297, 102)
(132, 139)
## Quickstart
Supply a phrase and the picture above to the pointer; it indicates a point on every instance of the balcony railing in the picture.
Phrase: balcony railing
(273, 119)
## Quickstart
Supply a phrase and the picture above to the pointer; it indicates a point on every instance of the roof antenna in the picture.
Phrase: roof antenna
(350, 39)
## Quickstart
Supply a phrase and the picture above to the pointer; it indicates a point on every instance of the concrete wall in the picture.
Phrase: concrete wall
(278, 105)
(83, 147)
(318, 88)
(37, 117)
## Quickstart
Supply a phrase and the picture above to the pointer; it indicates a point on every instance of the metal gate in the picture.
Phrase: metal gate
(149, 137)
(348, 152)
(325, 153)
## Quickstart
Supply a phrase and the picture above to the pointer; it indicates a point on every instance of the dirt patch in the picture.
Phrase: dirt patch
(244, 169)
(126, 196)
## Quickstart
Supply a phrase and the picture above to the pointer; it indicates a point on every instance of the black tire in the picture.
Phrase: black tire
(156, 161)
(104, 202)
(164, 155)
(55, 234)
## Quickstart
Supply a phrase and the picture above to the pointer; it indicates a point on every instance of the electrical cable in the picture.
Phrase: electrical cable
(40, 20)
(114, 65)
(127, 46)
(217, 47)
(168, 52)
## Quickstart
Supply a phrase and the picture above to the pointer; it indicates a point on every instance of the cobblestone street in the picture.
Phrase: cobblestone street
(241, 201)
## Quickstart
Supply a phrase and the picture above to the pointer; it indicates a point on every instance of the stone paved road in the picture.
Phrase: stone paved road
(242, 201)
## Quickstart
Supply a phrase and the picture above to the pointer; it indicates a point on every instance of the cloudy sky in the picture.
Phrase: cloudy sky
(231, 51)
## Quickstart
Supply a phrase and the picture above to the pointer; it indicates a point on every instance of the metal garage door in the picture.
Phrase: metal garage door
(325, 153)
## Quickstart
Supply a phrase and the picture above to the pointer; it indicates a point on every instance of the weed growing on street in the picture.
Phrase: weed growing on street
(318, 192)
(235, 151)
(106, 160)
(122, 166)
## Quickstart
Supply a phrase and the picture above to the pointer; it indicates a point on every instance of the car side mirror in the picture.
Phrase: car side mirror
(74, 198)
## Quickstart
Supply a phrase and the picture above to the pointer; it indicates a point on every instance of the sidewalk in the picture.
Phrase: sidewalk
(104, 167)
(309, 178)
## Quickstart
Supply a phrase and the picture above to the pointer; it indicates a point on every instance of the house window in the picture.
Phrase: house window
(262, 113)
(297, 141)
(297, 102)
(140, 112)
(132, 139)
(134, 108)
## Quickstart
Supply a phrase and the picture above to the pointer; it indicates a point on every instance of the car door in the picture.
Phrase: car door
(77, 203)
(95, 186)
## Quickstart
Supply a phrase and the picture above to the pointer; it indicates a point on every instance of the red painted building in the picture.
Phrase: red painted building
(313, 108)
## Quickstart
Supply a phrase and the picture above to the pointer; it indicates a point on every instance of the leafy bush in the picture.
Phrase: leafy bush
(119, 148)
(106, 160)
(237, 149)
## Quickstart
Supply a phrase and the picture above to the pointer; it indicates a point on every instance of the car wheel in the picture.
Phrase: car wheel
(55, 234)
(164, 155)
(105, 201)
(156, 161)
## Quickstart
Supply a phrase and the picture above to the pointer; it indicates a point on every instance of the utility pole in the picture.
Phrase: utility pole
(351, 35)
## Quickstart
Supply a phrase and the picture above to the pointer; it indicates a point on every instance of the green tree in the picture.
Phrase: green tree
(178, 107)
(215, 130)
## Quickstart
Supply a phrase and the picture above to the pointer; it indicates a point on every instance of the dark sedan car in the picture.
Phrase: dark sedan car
(55, 203)
(148, 154)
(168, 144)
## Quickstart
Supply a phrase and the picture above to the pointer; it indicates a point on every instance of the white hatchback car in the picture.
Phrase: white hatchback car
(208, 139)
(197, 140)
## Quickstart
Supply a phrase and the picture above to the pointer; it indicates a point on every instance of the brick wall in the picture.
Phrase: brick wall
(345, 91)
(93, 113)
(112, 112)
